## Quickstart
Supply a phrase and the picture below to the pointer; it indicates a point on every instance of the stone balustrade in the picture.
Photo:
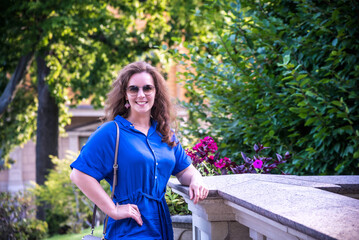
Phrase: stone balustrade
(275, 207)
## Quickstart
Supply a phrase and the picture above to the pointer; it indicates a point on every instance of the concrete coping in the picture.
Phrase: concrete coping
(318, 206)
(181, 219)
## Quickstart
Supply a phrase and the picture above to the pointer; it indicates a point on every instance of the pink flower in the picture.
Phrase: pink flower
(211, 159)
(208, 138)
(194, 157)
(227, 161)
(257, 163)
(220, 164)
(197, 146)
(212, 146)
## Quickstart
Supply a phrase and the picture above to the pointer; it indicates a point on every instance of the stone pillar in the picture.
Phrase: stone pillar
(15, 181)
(73, 142)
(212, 219)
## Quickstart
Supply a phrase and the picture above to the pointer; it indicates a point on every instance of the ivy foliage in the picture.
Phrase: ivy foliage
(282, 73)
(176, 204)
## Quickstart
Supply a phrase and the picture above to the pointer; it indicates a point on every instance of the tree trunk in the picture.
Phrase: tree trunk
(17, 76)
(47, 132)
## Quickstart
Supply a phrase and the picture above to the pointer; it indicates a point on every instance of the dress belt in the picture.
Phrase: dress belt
(166, 226)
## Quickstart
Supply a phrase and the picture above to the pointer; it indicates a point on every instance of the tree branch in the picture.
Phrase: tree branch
(9, 92)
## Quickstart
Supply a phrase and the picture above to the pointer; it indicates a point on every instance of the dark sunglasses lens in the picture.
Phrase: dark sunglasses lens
(133, 89)
(147, 89)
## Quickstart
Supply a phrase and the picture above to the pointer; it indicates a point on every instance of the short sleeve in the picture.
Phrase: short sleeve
(182, 159)
(97, 155)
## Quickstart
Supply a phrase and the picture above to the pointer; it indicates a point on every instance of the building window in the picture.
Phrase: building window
(82, 141)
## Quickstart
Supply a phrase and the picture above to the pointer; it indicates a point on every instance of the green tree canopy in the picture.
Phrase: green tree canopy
(54, 53)
(78, 44)
(282, 73)
(81, 46)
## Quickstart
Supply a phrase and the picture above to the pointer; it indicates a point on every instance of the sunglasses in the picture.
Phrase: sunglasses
(147, 90)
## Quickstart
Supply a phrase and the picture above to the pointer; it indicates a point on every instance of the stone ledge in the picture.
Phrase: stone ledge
(294, 201)
(182, 219)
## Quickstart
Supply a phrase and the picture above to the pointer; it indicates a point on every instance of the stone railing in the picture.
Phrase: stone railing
(275, 207)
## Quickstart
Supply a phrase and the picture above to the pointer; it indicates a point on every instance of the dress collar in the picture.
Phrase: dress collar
(124, 122)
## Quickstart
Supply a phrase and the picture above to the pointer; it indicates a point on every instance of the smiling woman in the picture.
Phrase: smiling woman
(148, 154)
(122, 98)
(140, 96)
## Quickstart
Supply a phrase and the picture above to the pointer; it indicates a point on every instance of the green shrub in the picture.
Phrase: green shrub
(176, 204)
(57, 223)
(17, 219)
(67, 208)
(282, 73)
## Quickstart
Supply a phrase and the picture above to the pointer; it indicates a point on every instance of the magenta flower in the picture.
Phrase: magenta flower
(197, 146)
(220, 163)
(227, 161)
(208, 138)
(210, 159)
(212, 146)
(195, 159)
(204, 156)
(257, 164)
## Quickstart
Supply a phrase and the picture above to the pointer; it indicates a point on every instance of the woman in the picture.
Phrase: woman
(148, 155)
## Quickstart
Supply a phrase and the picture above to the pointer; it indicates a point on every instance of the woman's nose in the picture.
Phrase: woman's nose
(140, 92)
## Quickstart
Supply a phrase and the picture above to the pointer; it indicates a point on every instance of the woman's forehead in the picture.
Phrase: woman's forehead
(140, 79)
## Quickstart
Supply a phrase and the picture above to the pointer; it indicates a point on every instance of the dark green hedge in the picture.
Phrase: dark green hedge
(282, 73)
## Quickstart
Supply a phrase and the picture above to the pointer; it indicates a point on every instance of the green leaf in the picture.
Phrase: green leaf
(288, 77)
(301, 76)
(303, 115)
(348, 129)
(337, 147)
(340, 167)
(336, 103)
(310, 94)
(305, 81)
(310, 121)
(286, 59)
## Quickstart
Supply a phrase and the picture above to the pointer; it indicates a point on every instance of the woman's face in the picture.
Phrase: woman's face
(141, 93)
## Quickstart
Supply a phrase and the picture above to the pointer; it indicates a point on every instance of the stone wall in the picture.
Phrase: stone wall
(270, 207)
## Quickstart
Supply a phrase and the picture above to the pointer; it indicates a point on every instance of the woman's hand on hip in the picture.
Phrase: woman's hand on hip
(127, 211)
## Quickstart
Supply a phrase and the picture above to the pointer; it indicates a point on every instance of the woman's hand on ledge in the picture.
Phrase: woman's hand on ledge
(192, 178)
(197, 191)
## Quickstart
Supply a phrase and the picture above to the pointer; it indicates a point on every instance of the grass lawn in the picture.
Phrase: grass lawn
(97, 232)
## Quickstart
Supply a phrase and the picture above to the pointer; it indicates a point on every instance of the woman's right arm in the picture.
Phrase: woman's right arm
(93, 190)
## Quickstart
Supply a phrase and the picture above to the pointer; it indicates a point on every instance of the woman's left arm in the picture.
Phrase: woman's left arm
(191, 177)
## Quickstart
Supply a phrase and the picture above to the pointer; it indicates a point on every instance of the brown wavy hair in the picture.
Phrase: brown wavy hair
(162, 110)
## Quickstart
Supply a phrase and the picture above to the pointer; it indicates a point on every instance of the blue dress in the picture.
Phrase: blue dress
(145, 166)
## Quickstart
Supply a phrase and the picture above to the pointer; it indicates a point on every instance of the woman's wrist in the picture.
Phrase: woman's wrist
(196, 178)
(111, 211)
